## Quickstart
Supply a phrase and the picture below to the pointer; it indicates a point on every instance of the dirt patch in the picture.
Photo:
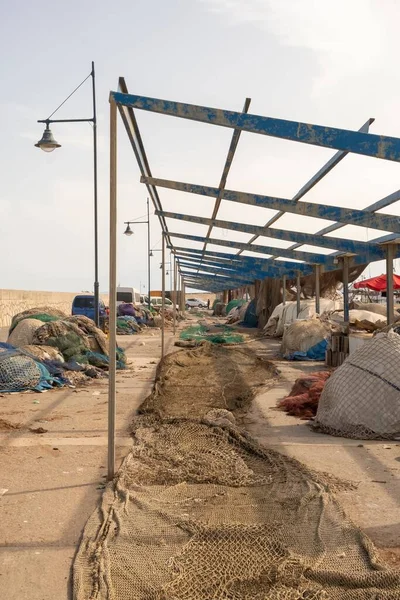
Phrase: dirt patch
(8, 426)
(391, 556)
(192, 382)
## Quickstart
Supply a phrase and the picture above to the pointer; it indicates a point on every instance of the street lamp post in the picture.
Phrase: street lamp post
(128, 231)
(48, 144)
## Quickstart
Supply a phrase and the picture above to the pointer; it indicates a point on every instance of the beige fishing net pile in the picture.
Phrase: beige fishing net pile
(362, 398)
(200, 511)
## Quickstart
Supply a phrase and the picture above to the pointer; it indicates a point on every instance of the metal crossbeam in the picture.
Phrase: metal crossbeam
(229, 282)
(257, 273)
(346, 216)
(367, 144)
(226, 169)
(263, 249)
(133, 132)
(372, 251)
(305, 256)
(325, 169)
(264, 268)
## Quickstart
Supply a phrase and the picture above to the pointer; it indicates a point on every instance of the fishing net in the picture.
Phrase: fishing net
(300, 336)
(200, 333)
(361, 398)
(66, 336)
(23, 332)
(45, 314)
(43, 352)
(127, 326)
(219, 309)
(200, 511)
(234, 304)
(89, 330)
(305, 394)
(19, 372)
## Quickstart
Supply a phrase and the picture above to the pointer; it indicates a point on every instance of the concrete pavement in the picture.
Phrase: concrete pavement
(50, 483)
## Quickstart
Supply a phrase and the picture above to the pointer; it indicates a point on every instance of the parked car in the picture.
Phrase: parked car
(195, 303)
(84, 305)
(157, 301)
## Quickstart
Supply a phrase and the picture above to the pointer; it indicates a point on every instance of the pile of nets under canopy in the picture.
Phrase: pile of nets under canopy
(76, 339)
(213, 334)
(362, 398)
(306, 340)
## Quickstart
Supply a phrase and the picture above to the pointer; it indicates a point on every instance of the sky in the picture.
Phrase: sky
(327, 63)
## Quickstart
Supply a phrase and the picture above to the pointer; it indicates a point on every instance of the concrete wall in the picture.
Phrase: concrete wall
(15, 301)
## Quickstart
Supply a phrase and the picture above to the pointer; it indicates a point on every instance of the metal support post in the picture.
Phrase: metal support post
(148, 255)
(317, 288)
(175, 294)
(346, 288)
(390, 251)
(96, 235)
(183, 299)
(298, 291)
(163, 299)
(112, 292)
(283, 290)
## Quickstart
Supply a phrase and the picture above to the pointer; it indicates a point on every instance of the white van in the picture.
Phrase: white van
(157, 301)
(128, 294)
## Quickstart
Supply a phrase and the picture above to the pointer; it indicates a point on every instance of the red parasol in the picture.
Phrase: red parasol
(378, 284)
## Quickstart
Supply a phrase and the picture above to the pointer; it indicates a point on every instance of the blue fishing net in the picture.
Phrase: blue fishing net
(20, 372)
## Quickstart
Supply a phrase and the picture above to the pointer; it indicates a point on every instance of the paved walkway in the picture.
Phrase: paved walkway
(51, 483)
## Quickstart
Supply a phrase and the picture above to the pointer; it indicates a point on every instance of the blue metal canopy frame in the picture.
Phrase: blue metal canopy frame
(212, 268)
(219, 271)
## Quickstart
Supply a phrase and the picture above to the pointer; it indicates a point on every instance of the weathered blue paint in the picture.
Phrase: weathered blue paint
(330, 263)
(308, 209)
(226, 281)
(261, 266)
(373, 251)
(327, 167)
(256, 273)
(241, 260)
(383, 203)
(378, 146)
(298, 255)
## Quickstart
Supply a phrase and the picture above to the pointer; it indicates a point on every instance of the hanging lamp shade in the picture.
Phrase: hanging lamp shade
(128, 230)
(47, 143)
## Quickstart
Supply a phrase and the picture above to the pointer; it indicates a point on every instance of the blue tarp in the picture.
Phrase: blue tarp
(316, 352)
(250, 318)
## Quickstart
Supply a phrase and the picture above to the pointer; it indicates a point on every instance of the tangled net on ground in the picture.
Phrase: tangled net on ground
(199, 510)
(200, 333)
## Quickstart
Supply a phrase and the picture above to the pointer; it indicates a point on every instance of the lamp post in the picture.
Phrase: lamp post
(48, 144)
(128, 231)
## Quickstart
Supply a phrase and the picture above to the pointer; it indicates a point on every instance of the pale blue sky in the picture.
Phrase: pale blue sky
(330, 63)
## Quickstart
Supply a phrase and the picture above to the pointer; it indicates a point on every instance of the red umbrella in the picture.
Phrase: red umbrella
(378, 284)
